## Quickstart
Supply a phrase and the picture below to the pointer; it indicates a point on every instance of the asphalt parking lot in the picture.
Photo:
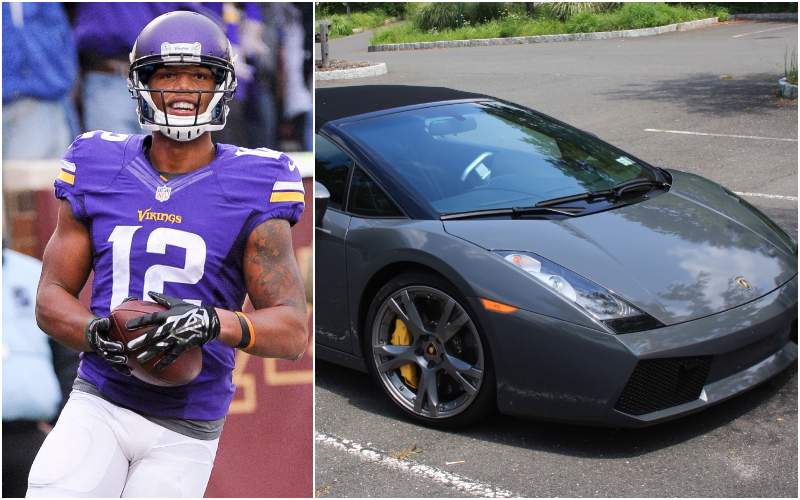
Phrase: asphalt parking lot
(664, 100)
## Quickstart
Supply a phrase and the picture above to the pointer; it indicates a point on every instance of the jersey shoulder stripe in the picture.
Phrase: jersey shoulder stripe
(263, 180)
(288, 191)
(94, 158)
(279, 196)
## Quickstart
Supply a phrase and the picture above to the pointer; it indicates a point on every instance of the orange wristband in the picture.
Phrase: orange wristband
(248, 333)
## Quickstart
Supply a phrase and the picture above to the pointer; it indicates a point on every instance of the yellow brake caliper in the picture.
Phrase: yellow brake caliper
(402, 337)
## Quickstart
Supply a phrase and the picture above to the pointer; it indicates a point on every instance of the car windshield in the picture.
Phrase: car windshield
(488, 155)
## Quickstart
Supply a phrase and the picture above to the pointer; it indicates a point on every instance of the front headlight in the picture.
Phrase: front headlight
(602, 304)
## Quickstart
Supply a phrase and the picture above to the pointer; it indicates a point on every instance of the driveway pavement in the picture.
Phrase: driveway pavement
(661, 98)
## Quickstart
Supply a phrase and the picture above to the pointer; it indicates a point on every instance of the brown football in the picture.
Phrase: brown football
(182, 371)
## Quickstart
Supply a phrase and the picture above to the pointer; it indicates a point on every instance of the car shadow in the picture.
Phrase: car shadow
(567, 439)
(706, 93)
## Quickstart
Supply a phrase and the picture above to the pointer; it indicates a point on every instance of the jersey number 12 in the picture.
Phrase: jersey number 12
(156, 275)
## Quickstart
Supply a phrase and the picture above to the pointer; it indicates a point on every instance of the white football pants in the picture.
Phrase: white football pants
(98, 449)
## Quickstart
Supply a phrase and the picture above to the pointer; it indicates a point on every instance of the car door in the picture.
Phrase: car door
(331, 309)
(356, 201)
(372, 213)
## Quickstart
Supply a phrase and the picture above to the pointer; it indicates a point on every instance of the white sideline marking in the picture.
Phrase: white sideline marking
(719, 135)
(460, 483)
(763, 31)
(775, 196)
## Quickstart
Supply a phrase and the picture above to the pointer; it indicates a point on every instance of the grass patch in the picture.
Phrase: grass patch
(790, 67)
(513, 21)
(340, 26)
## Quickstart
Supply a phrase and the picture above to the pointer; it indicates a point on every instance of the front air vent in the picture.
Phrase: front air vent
(657, 384)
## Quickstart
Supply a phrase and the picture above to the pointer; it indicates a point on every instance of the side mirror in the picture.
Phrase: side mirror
(321, 198)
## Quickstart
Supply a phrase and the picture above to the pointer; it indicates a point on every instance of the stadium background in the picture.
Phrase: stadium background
(266, 448)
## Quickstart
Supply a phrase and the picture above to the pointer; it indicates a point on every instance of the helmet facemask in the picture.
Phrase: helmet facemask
(181, 128)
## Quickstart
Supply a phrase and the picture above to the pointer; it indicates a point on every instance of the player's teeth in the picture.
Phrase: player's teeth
(183, 105)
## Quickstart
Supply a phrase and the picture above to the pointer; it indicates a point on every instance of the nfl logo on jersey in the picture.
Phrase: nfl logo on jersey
(162, 193)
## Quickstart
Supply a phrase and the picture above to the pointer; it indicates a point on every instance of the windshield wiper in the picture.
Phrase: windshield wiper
(514, 212)
(553, 206)
(616, 190)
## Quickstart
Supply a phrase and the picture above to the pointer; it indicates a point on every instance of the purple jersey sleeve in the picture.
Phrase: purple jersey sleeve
(266, 181)
(90, 165)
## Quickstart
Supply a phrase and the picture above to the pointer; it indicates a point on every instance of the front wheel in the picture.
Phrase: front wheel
(426, 351)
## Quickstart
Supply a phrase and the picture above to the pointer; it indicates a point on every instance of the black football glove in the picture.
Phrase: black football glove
(182, 326)
(110, 350)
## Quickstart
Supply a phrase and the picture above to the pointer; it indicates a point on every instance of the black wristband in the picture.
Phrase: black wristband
(245, 332)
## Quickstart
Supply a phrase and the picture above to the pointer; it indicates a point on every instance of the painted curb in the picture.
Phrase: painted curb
(572, 37)
(351, 74)
(787, 89)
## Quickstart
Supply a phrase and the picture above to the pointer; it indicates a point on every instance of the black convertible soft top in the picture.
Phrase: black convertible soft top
(342, 102)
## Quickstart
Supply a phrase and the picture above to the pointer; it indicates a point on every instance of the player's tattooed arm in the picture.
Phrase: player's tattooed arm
(277, 292)
(66, 265)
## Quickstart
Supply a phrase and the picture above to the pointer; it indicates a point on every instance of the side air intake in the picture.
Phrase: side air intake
(657, 384)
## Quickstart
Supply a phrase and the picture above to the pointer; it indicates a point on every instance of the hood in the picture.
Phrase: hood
(677, 256)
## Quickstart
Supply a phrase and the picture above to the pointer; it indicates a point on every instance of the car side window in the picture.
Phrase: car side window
(331, 166)
(367, 199)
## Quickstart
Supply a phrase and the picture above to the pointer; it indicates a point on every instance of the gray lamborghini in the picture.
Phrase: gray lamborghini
(474, 254)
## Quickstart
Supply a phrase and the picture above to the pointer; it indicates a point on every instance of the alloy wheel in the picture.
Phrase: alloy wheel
(427, 352)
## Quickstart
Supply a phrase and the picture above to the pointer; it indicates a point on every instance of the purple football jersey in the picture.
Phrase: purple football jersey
(184, 237)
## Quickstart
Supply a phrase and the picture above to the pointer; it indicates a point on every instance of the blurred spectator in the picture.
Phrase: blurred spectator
(39, 68)
(243, 27)
(295, 54)
(104, 34)
(31, 393)
(273, 42)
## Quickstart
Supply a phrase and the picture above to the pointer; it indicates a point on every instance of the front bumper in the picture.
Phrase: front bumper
(555, 370)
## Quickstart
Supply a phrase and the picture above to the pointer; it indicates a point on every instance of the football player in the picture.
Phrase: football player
(176, 219)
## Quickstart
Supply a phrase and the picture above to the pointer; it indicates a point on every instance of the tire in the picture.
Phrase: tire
(444, 346)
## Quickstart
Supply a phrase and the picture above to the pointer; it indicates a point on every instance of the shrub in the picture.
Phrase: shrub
(565, 10)
(392, 9)
(370, 19)
(435, 15)
(324, 10)
(585, 22)
(340, 26)
(645, 15)
(482, 12)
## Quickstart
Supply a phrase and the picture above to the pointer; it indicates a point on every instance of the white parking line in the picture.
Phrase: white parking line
(773, 196)
(460, 483)
(763, 31)
(719, 135)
